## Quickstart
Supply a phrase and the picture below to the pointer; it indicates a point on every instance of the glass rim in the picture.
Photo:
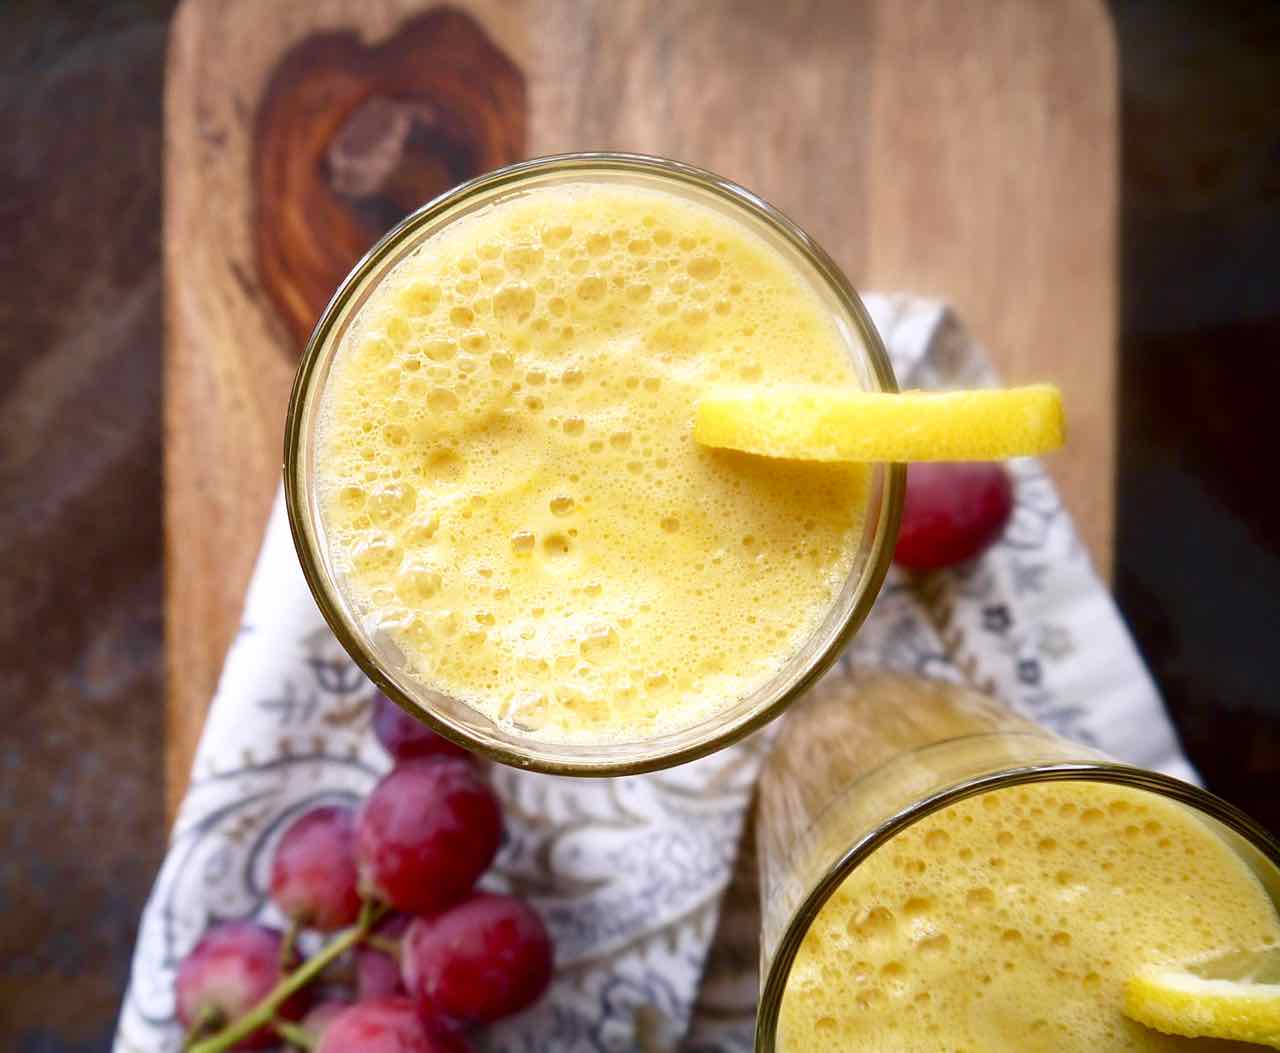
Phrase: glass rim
(296, 490)
(773, 986)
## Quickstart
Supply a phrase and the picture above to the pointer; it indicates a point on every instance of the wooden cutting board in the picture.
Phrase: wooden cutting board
(963, 150)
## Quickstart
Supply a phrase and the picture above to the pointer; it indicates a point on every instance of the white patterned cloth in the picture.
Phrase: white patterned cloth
(630, 874)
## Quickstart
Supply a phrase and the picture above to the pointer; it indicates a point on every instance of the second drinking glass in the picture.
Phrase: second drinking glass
(937, 873)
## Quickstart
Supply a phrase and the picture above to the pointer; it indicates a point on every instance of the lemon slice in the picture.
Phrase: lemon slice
(1234, 996)
(815, 423)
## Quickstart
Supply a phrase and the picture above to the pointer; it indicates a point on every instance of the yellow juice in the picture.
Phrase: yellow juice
(1010, 922)
(507, 478)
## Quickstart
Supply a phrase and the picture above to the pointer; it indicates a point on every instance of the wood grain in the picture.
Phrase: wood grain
(349, 138)
(261, 221)
(968, 151)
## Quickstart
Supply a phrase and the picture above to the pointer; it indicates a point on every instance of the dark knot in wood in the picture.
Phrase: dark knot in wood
(350, 138)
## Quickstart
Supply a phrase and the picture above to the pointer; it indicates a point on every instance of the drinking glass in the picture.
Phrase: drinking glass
(868, 754)
(380, 659)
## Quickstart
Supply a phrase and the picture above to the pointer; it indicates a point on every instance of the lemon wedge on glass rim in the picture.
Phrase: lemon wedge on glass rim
(1231, 996)
(812, 422)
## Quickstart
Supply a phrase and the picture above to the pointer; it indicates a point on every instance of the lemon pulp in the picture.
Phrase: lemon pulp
(818, 423)
(1234, 995)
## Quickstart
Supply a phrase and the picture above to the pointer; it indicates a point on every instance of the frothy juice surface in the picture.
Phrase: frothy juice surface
(1011, 921)
(509, 483)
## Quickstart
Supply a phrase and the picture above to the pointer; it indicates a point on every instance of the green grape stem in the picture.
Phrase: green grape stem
(208, 1020)
(384, 944)
(263, 1014)
(294, 1035)
(287, 945)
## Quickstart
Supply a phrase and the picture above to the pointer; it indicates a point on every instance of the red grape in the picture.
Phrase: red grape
(951, 513)
(405, 738)
(393, 925)
(377, 974)
(313, 874)
(425, 833)
(487, 957)
(387, 1025)
(319, 1017)
(233, 967)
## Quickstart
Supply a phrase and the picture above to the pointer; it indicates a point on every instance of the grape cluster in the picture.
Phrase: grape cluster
(414, 956)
